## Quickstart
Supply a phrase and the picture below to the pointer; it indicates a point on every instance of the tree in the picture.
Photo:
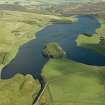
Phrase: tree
(53, 50)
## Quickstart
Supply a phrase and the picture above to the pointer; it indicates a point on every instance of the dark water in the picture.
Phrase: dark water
(30, 60)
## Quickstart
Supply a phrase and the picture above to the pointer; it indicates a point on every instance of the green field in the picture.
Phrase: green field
(19, 90)
(71, 83)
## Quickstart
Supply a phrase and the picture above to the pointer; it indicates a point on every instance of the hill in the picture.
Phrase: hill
(71, 83)
(47, 1)
(19, 90)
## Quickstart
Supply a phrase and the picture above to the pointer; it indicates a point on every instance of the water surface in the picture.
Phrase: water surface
(30, 60)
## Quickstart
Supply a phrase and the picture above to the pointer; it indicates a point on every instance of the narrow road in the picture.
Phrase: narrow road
(43, 87)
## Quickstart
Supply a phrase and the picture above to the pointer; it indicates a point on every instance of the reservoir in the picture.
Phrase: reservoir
(30, 60)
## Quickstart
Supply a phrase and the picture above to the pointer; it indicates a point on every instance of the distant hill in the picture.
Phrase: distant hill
(55, 7)
(35, 2)
(62, 1)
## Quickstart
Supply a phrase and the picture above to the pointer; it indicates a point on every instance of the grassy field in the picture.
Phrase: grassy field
(92, 42)
(71, 83)
(19, 90)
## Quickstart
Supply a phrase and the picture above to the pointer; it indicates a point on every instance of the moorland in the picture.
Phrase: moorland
(69, 81)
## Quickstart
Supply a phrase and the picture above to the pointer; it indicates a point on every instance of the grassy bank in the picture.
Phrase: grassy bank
(72, 83)
(93, 42)
(19, 90)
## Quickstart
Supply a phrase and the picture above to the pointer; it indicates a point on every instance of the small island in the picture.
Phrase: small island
(53, 50)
